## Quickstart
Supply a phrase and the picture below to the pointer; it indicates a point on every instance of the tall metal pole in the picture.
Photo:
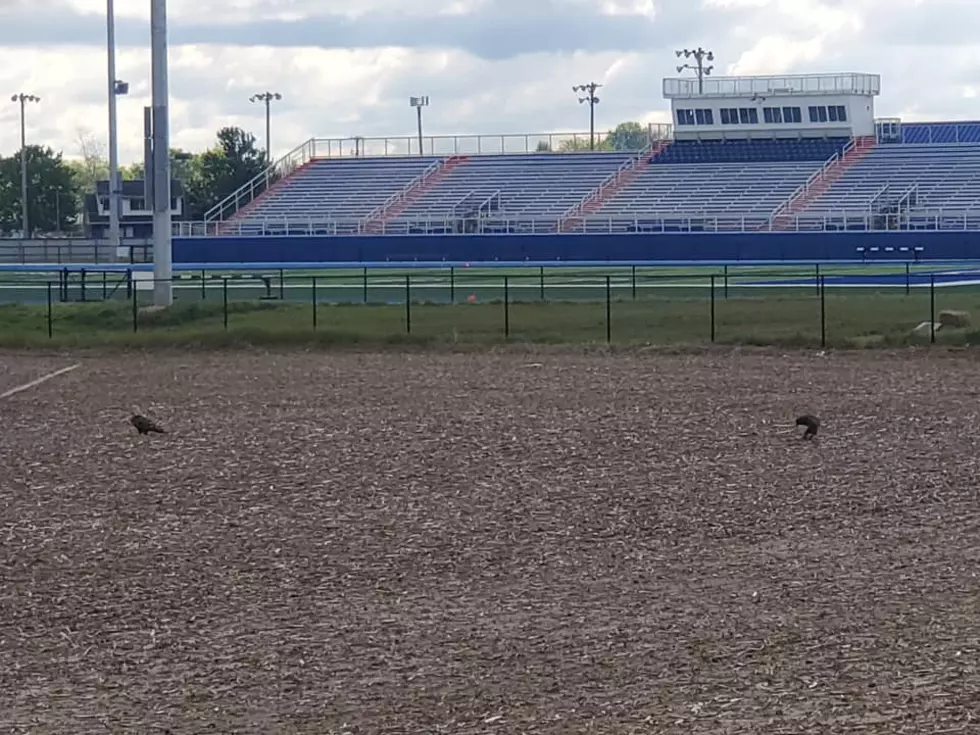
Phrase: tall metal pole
(268, 131)
(162, 235)
(115, 240)
(25, 220)
(418, 103)
(23, 99)
(589, 90)
(267, 98)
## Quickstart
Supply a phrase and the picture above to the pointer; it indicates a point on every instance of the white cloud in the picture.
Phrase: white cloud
(496, 69)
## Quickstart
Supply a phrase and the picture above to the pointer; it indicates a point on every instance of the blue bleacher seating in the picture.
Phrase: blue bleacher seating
(688, 185)
(780, 150)
(946, 177)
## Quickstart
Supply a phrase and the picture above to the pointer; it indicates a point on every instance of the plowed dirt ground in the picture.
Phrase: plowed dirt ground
(506, 543)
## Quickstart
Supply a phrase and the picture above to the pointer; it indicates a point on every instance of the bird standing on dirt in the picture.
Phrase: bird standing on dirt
(812, 424)
(145, 426)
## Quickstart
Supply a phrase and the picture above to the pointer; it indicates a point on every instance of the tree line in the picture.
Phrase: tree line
(56, 186)
(627, 136)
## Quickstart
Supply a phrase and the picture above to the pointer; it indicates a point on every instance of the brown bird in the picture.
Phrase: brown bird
(812, 424)
(145, 426)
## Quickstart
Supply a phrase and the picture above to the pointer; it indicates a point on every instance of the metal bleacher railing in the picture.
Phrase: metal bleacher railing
(693, 222)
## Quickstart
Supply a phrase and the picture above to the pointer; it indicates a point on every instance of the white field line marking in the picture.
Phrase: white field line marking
(42, 379)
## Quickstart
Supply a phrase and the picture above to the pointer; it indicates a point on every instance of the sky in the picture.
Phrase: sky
(347, 68)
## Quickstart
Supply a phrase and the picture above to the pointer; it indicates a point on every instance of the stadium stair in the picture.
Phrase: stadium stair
(225, 225)
(785, 214)
(374, 223)
(616, 182)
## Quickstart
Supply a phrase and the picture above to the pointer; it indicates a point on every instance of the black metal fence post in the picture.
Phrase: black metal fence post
(726, 282)
(105, 285)
(365, 285)
(408, 304)
(282, 285)
(541, 283)
(136, 308)
(50, 314)
(816, 280)
(224, 300)
(908, 280)
(932, 308)
(713, 321)
(823, 311)
(608, 310)
(506, 307)
(204, 285)
(313, 299)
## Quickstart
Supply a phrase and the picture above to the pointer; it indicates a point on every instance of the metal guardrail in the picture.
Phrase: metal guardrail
(694, 222)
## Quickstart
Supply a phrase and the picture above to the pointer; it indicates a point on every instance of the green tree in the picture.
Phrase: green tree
(182, 167)
(219, 172)
(52, 193)
(583, 144)
(628, 136)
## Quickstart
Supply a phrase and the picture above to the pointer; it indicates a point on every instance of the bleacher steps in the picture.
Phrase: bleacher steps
(275, 188)
(374, 222)
(616, 182)
(785, 215)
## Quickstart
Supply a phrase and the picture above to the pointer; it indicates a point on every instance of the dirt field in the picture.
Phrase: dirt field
(560, 543)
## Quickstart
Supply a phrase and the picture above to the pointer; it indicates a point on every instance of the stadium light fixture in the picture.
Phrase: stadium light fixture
(700, 56)
(23, 99)
(418, 103)
(589, 91)
(266, 98)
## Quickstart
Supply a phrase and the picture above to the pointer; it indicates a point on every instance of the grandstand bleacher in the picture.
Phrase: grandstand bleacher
(330, 194)
(945, 176)
(521, 187)
(726, 184)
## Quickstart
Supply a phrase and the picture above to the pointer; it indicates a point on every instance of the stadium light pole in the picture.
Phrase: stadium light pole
(163, 294)
(266, 98)
(589, 91)
(116, 88)
(23, 99)
(418, 103)
(700, 56)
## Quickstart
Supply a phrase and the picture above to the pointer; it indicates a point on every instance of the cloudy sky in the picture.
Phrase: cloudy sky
(348, 67)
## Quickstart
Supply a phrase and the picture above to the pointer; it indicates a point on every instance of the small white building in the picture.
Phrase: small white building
(784, 106)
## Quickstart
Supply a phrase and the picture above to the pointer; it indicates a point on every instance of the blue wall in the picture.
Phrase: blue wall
(475, 248)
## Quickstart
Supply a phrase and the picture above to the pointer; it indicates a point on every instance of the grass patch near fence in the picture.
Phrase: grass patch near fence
(793, 317)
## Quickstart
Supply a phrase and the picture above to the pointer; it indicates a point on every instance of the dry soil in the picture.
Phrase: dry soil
(506, 543)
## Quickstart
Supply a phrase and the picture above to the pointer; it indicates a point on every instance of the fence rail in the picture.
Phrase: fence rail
(468, 145)
(802, 305)
(693, 222)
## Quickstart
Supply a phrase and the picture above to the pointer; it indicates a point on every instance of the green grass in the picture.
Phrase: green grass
(788, 317)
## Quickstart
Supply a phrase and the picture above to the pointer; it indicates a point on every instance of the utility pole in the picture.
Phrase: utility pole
(266, 98)
(163, 294)
(418, 103)
(589, 90)
(23, 99)
(700, 56)
(116, 88)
